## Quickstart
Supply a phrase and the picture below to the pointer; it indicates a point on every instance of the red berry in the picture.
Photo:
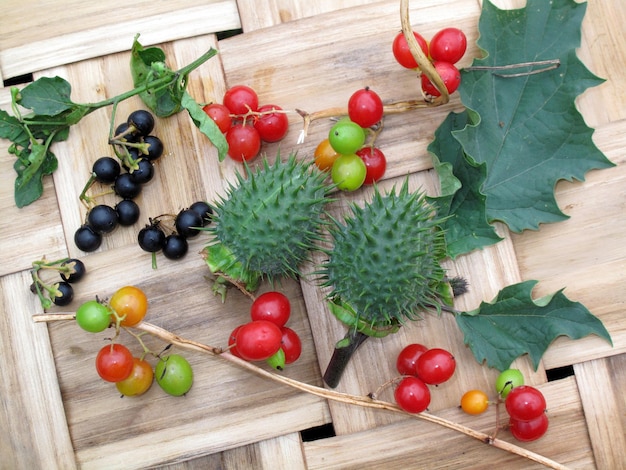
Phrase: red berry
(435, 366)
(375, 163)
(365, 107)
(527, 431)
(271, 306)
(406, 363)
(258, 340)
(402, 53)
(412, 395)
(525, 403)
(241, 99)
(449, 74)
(272, 126)
(448, 45)
(244, 142)
(291, 345)
(220, 114)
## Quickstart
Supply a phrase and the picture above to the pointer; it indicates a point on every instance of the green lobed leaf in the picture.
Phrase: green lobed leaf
(514, 324)
(47, 96)
(206, 125)
(461, 205)
(526, 129)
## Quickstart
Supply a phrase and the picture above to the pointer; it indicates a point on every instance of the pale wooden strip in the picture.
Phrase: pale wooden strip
(31, 411)
(29, 233)
(116, 37)
(280, 453)
(412, 443)
(601, 385)
(257, 14)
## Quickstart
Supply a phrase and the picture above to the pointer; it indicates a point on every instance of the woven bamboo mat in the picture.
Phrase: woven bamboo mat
(307, 55)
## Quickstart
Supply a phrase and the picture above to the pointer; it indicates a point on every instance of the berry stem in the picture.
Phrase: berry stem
(344, 350)
(357, 400)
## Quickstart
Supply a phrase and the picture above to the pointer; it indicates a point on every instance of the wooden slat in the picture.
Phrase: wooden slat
(32, 42)
(412, 443)
(31, 410)
(601, 386)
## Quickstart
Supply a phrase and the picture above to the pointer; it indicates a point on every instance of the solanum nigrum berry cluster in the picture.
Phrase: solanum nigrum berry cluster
(136, 150)
(445, 49)
(420, 367)
(351, 161)
(115, 363)
(169, 233)
(57, 292)
(266, 337)
(245, 123)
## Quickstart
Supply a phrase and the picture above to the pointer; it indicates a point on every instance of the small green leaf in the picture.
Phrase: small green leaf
(12, 129)
(29, 181)
(206, 125)
(47, 96)
(147, 65)
(514, 324)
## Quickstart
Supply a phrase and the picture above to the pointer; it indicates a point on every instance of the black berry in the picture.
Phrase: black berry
(187, 223)
(78, 270)
(125, 187)
(203, 210)
(155, 147)
(175, 246)
(67, 294)
(141, 121)
(125, 133)
(151, 238)
(102, 218)
(86, 239)
(127, 212)
(106, 169)
(144, 172)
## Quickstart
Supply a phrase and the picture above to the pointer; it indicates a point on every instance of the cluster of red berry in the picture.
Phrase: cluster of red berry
(245, 123)
(265, 337)
(446, 48)
(420, 367)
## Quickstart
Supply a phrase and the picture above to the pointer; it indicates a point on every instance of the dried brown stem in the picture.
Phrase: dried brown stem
(364, 401)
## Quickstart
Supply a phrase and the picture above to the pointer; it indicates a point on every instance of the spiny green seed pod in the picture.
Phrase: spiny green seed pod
(384, 267)
(266, 224)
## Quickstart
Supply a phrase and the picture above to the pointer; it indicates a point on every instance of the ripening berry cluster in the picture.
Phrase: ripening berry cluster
(525, 405)
(445, 49)
(345, 154)
(115, 363)
(137, 150)
(245, 124)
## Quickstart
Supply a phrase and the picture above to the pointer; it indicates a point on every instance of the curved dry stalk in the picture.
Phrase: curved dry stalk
(358, 400)
(423, 62)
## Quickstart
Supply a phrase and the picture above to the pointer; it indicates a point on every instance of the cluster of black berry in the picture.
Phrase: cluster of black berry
(60, 292)
(136, 149)
(186, 224)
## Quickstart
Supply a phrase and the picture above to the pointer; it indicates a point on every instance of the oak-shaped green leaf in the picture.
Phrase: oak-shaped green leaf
(526, 128)
(514, 324)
